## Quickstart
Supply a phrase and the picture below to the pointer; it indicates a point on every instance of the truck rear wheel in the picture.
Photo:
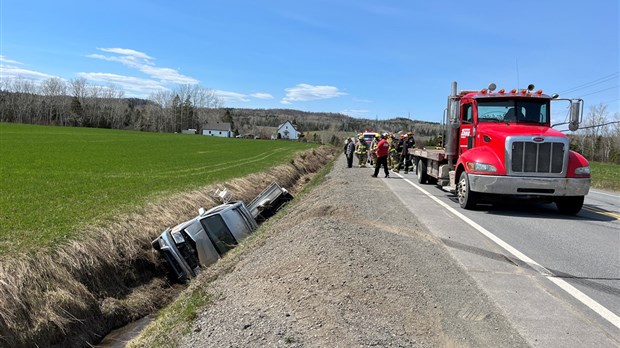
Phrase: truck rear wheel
(420, 172)
(467, 198)
(569, 205)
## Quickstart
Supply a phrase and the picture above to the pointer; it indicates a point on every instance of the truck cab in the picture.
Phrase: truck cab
(502, 143)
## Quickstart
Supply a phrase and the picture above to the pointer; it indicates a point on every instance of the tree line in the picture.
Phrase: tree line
(76, 103)
(598, 137)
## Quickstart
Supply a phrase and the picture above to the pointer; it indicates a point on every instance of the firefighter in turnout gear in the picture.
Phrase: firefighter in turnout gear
(405, 157)
(399, 151)
(393, 155)
(361, 151)
(373, 147)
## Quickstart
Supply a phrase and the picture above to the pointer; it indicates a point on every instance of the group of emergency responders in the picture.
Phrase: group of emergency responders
(398, 157)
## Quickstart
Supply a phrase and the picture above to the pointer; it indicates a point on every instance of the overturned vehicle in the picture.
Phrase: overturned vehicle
(201, 241)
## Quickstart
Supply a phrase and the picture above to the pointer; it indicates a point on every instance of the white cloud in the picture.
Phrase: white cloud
(167, 75)
(9, 69)
(355, 112)
(260, 95)
(14, 72)
(126, 52)
(227, 96)
(145, 64)
(3, 59)
(139, 87)
(306, 92)
(358, 100)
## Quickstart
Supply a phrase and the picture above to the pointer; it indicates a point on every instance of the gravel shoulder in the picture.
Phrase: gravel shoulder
(349, 266)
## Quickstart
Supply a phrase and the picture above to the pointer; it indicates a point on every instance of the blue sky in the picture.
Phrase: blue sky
(367, 59)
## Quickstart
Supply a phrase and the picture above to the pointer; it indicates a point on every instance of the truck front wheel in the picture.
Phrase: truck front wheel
(467, 198)
(570, 205)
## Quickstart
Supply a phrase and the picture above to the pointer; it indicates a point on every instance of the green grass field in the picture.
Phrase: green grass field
(55, 179)
(605, 175)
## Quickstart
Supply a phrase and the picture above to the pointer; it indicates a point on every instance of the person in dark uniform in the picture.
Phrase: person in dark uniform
(349, 150)
(409, 144)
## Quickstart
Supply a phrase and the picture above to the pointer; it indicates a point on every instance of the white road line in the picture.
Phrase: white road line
(604, 193)
(571, 290)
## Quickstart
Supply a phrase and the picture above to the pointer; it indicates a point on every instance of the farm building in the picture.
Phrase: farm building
(287, 130)
(220, 129)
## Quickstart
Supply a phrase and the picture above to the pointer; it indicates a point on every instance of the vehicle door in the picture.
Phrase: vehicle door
(467, 130)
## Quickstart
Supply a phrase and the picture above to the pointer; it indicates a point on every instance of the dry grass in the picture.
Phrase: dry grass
(81, 291)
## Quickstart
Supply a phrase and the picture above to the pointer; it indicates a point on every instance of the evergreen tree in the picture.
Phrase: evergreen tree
(77, 112)
(176, 113)
(187, 114)
(227, 118)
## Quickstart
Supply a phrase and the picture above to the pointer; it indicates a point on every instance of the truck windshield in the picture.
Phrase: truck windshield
(513, 110)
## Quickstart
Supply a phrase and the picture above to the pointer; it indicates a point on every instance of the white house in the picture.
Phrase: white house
(220, 129)
(287, 131)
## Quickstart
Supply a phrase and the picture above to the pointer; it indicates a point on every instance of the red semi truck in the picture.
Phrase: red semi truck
(502, 143)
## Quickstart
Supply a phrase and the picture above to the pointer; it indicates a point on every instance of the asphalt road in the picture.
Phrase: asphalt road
(557, 277)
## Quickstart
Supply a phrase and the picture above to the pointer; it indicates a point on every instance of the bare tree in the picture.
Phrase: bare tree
(24, 92)
(591, 128)
(79, 109)
(55, 91)
(79, 88)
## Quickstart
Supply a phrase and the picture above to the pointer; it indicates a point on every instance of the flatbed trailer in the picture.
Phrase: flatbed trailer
(431, 165)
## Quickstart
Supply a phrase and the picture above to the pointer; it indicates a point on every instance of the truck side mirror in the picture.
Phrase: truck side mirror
(575, 114)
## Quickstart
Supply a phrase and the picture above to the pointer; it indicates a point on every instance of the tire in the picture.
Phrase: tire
(569, 205)
(420, 172)
(467, 198)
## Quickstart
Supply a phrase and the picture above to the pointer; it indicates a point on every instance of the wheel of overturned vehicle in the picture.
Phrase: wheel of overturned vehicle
(569, 205)
(467, 198)
(421, 172)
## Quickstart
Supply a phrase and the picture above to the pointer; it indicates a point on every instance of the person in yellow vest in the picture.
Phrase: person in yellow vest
(372, 156)
(361, 150)
(393, 155)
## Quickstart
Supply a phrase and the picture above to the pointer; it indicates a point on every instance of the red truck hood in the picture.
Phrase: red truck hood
(501, 131)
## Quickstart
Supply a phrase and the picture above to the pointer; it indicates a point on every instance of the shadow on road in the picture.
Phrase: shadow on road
(590, 282)
(532, 209)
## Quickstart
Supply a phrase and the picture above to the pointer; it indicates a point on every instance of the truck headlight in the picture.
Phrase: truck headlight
(582, 170)
(481, 167)
(178, 237)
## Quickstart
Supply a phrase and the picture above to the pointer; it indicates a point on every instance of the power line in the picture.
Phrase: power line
(602, 90)
(609, 101)
(591, 83)
(595, 126)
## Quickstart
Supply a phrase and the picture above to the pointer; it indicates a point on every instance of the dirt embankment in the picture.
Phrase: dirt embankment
(75, 295)
(346, 266)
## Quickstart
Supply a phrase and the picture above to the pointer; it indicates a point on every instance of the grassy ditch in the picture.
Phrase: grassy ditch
(72, 293)
(173, 321)
(605, 176)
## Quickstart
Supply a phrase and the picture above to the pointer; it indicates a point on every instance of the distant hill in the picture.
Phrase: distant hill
(252, 120)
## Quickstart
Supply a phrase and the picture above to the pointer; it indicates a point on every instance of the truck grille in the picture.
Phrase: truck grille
(546, 158)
